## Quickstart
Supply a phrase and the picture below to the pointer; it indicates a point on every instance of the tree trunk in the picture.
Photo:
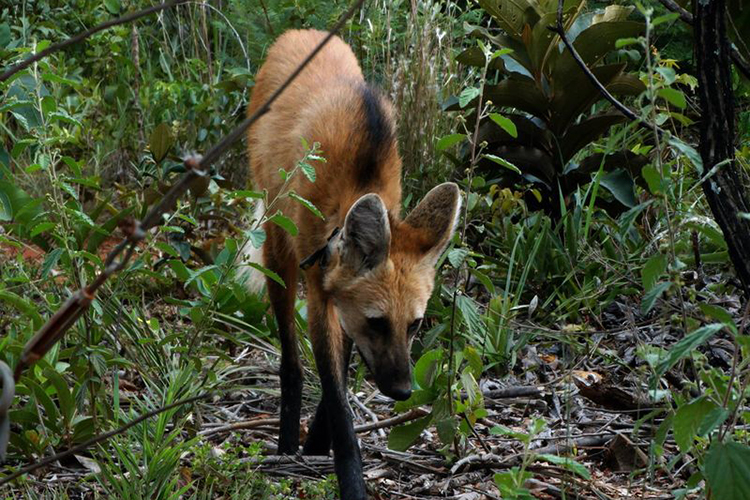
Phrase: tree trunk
(724, 190)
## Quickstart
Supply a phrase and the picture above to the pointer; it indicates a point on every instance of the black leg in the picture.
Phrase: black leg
(318, 440)
(328, 341)
(279, 260)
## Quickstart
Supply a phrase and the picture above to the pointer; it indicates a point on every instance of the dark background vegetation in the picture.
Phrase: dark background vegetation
(587, 258)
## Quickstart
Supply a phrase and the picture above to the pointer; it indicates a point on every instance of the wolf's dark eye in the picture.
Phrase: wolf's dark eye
(414, 327)
(379, 325)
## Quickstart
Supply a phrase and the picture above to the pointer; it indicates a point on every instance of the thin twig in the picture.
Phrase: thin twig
(264, 422)
(735, 359)
(560, 30)
(367, 412)
(82, 36)
(246, 424)
(390, 422)
(98, 439)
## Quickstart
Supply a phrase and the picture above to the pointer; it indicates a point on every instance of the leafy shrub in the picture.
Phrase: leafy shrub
(552, 122)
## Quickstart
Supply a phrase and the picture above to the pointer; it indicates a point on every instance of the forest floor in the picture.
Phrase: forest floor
(590, 411)
(590, 388)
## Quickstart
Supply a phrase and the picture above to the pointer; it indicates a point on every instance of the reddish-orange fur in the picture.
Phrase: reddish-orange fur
(380, 269)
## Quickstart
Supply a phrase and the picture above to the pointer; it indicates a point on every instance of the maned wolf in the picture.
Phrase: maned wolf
(367, 284)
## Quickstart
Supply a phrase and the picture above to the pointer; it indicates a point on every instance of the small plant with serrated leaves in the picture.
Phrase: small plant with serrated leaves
(456, 401)
(513, 482)
(707, 420)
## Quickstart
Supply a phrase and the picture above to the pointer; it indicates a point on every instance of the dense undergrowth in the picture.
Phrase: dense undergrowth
(576, 223)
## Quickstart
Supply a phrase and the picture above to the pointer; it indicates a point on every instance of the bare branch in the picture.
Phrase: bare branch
(560, 30)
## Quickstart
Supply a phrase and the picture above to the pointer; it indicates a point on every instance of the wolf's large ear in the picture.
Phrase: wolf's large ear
(366, 238)
(437, 216)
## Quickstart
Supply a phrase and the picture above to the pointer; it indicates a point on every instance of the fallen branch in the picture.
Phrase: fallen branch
(514, 392)
(237, 426)
(492, 460)
(390, 422)
(268, 422)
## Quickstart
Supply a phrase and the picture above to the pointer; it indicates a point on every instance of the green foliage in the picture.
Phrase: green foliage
(449, 385)
(544, 141)
(93, 136)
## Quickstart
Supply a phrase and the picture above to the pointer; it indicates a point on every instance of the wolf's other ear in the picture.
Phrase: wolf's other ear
(437, 216)
(366, 238)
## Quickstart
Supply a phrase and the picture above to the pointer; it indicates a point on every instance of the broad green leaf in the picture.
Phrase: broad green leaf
(502, 161)
(473, 56)
(308, 170)
(674, 96)
(620, 184)
(566, 463)
(198, 273)
(649, 300)
(256, 237)
(471, 316)
(42, 227)
(714, 419)
(505, 123)
(687, 419)
(5, 37)
(613, 13)
(718, 313)
(418, 397)
(307, 204)
(652, 271)
(64, 397)
(688, 151)
(509, 14)
(267, 272)
(113, 6)
(427, 367)
(653, 179)
(285, 223)
(446, 429)
(666, 18)
(167, 249)
(624, 42)
(475, 361)
(51, 77)
(6, 209)
(403, 436)
(484, 280)
(467, 95)
(684, 347)
(457, 256)
(161, 141)
(246, 193)
(25, 306)
(449, 140)
(727, 470)
(50, 261)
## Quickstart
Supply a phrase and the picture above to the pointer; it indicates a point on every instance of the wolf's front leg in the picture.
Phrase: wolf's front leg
(328, 345)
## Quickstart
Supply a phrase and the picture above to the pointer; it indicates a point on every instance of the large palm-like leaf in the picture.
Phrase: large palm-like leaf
(551, 94)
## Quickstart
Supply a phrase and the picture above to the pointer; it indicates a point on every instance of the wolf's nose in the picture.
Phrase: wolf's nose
(399, 393)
